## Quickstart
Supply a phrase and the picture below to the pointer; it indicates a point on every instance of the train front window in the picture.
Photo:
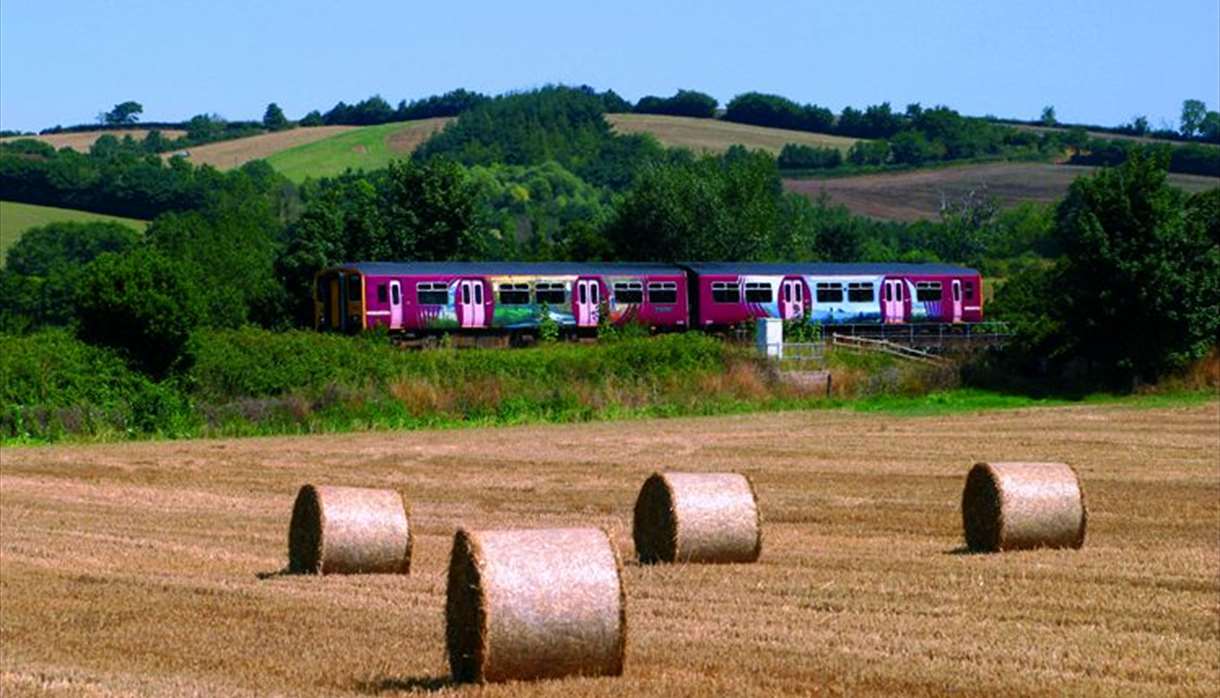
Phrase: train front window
(860, 292)
(758, 292)
(514, 294)
(663, 292)
(829, 292)
(726, 292)
(926, 291)
(353, 288)
(628, 292)
(432, 293)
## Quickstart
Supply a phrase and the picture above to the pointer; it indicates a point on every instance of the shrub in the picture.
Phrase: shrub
(140, 304)
(795, 156)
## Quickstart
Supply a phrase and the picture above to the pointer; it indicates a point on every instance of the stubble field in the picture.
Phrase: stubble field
(150, 568)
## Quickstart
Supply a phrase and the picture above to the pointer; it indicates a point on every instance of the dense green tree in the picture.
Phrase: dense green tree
(1193, 113)
(63, 246)
(913, 148)
(1048, 116)
(274, 119)
(730, 207)
(141, 304)
(683, 103)
(1137, 292)
(313, 118)
(795, 156)
(123, 113)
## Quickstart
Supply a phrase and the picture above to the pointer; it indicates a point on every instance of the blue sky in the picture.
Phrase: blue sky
(1096, 62)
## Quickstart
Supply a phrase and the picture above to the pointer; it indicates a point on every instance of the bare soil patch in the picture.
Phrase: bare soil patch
(135, 568)
(406, 140)
(917, 195)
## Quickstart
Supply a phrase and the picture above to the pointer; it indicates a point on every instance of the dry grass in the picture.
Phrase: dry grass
(132, 568)
(226, 155)
(84, 140)
(916, 195)
(715, 136)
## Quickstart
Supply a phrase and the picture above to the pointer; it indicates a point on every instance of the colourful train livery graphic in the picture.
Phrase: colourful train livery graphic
(418, 298)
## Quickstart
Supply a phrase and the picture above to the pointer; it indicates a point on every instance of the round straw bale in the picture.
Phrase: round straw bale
(697, 517)
(532, 604)
(1016, 506)
(349, 530)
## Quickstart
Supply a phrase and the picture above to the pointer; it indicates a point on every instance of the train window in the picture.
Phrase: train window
(552, 292)
(787, 292)
(797, 291)
(432, 293)
(465, 293)
(514, 294)
(478, 293)
(957, 292)
(829, 293)
(860, 292)
(353, 288)
(594, 292)
(726, 292)
(898, 291)
(968, 290)
(395, 295)
(889, 296)
(758, 292)
(580, 291)
(628, 292)
(927, 291)
(382, 294)
(662, 292)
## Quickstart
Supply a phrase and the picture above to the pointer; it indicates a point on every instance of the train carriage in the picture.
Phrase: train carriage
(419, 298)
(726, 294)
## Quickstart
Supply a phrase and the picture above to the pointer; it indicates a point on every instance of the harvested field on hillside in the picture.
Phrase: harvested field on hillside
(916, 195)
(226, 155)
(83, 140)
(363, 148)
(151, 568)
(715, 136)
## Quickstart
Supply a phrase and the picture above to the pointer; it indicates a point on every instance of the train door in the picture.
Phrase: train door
(395, 305)
(892, 302)
(586, 302)
(470, 303)
(957, 300)
(336, 300)
(792, 298)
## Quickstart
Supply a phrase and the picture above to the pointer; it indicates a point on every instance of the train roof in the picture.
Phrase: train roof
(827, 268)
(510, 268)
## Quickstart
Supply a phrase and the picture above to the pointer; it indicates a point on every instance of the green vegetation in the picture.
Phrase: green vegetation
(1136, 291)
(369, 148)
(17, 218)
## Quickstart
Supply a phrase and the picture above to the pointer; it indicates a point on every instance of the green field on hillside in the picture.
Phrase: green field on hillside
(368, 148)
(17, 218)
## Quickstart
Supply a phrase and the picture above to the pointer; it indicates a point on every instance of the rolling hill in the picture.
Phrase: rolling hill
(714, 135)
(83, 140)
(368, 148)
(17, 218)
(329, 150)
(917, 194)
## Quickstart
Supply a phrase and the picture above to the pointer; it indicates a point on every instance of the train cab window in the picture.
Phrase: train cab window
(395, 295)
(628, 292)
(968, 290)
(514, 294)
(382, 294)
(432, 293)
(663, 292)
(551, 292)
(353, 288)
(927, 291)
(829, 292)
(758, 292)
(860, 292)
(726, 292)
